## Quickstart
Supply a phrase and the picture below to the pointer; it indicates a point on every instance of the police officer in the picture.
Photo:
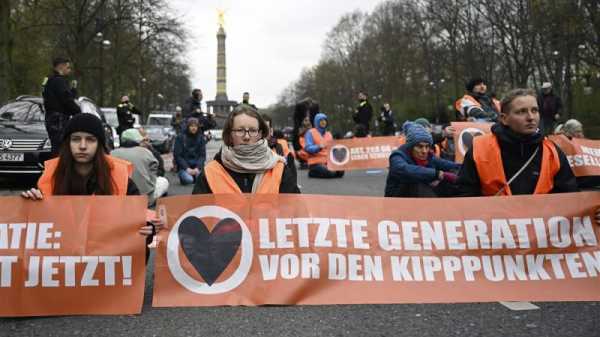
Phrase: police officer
(59, 101)
(125, 112)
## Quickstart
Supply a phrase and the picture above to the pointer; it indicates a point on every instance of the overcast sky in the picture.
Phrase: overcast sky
(269, 42)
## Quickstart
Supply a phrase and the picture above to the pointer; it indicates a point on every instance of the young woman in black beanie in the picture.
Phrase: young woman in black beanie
(84, 167)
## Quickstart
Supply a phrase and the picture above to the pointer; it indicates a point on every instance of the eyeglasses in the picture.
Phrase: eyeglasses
(242, 132)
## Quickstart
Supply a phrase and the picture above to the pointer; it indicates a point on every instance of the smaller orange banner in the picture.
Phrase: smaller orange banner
(361, 153)
(464, 134)
(72, 256)
(583, 154)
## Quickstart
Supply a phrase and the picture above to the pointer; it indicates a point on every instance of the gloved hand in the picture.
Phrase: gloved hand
(450, 177)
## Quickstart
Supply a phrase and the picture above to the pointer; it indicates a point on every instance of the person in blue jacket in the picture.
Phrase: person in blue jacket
(415, 171)
(317, 141)
(190, 152)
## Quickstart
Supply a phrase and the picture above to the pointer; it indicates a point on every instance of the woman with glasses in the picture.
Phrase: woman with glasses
(245, 163)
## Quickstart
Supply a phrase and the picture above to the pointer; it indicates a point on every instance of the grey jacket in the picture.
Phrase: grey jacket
(145, 168)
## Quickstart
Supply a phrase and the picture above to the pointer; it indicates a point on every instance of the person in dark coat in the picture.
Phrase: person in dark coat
(386, 118)
(59, 102)
(518, 137)
(190, 152)
(550, 106)
(415, 171)
(125, 112)
(364, 112)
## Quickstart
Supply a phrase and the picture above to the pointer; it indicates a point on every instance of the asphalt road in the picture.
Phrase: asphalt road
(475, 319)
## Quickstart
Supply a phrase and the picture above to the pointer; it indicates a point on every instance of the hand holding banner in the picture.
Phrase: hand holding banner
(361, 153)
(464, 134)
(72, 255)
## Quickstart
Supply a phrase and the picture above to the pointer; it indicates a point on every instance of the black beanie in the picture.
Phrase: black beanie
(473, 82)
(86, 122)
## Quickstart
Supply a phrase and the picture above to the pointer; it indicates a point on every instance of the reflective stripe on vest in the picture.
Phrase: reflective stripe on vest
(321, 156)
(220, 182)
(120, 171)
(488, 161)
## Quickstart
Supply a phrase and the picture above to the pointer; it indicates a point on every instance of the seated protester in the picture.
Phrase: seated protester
(148, 145)
(360, 131)
(515, 158)
(145, 172)
(317, 140)
(189, 152)
(415, 171)
(302, 155)
(245, 163)
(83, 167)
(280, 146)
(572, 129)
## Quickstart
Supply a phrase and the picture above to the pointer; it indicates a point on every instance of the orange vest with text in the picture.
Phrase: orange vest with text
(318, 139)
(220, 182)
(120, 171)
(488, 161)
(301, 153)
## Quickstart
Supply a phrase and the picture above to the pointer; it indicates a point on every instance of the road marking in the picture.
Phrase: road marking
(519, 306)
(374, 171)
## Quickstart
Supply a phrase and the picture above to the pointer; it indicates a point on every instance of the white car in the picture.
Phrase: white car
(216, 134)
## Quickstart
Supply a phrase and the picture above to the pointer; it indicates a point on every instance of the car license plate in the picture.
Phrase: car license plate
(9, 156)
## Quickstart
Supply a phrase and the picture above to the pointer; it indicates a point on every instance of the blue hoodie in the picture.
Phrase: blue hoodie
(309, 145)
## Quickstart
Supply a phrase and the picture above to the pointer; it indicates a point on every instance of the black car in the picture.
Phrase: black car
(24, 142)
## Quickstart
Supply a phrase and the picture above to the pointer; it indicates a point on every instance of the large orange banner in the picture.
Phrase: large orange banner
(316, 249)
(583, 154)
(361, 153)
(464, 134)
(71, 256)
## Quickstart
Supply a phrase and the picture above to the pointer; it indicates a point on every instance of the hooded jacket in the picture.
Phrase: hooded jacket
(309, 143)
(190, 150)
(404, 171)
(515, 151)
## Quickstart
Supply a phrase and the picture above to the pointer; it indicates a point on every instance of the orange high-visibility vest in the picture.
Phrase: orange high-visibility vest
(120, 171)
(458, 103)
(284, 146)
(220, 182)
(488, 161)
(321, 156)
(301, 153)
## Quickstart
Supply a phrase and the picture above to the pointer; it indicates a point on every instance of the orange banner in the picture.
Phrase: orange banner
(464, 134)
(583, 154)
(71, 256)
(361, 153)
(316, 249)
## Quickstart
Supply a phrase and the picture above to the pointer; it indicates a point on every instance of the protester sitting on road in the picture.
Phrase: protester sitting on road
(476, 104)
(145, 173)
(280, 146)
(573, 129)
(515, 158)
(302, 155)
(84, 168)
(317, 141)
(245, 163)
(415, 171)
(190, 152)
(146, 143)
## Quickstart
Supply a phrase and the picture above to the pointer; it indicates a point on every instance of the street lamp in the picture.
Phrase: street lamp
(103, 45)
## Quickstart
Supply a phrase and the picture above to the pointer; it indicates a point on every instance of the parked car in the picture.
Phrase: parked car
(215, 134)
(24, 142)
(160, 132)
(111, 118)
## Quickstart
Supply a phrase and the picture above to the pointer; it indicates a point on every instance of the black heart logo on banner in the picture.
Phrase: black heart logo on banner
(340, 154)
(210, 252)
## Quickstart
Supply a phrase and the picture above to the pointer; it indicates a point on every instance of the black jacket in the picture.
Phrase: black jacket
(125, 112)
(244, 180)
(364, 113)
(515, 151)
(191, 108)
(59, 98)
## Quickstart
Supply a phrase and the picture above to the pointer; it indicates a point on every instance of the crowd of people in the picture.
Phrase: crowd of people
(515, 158)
